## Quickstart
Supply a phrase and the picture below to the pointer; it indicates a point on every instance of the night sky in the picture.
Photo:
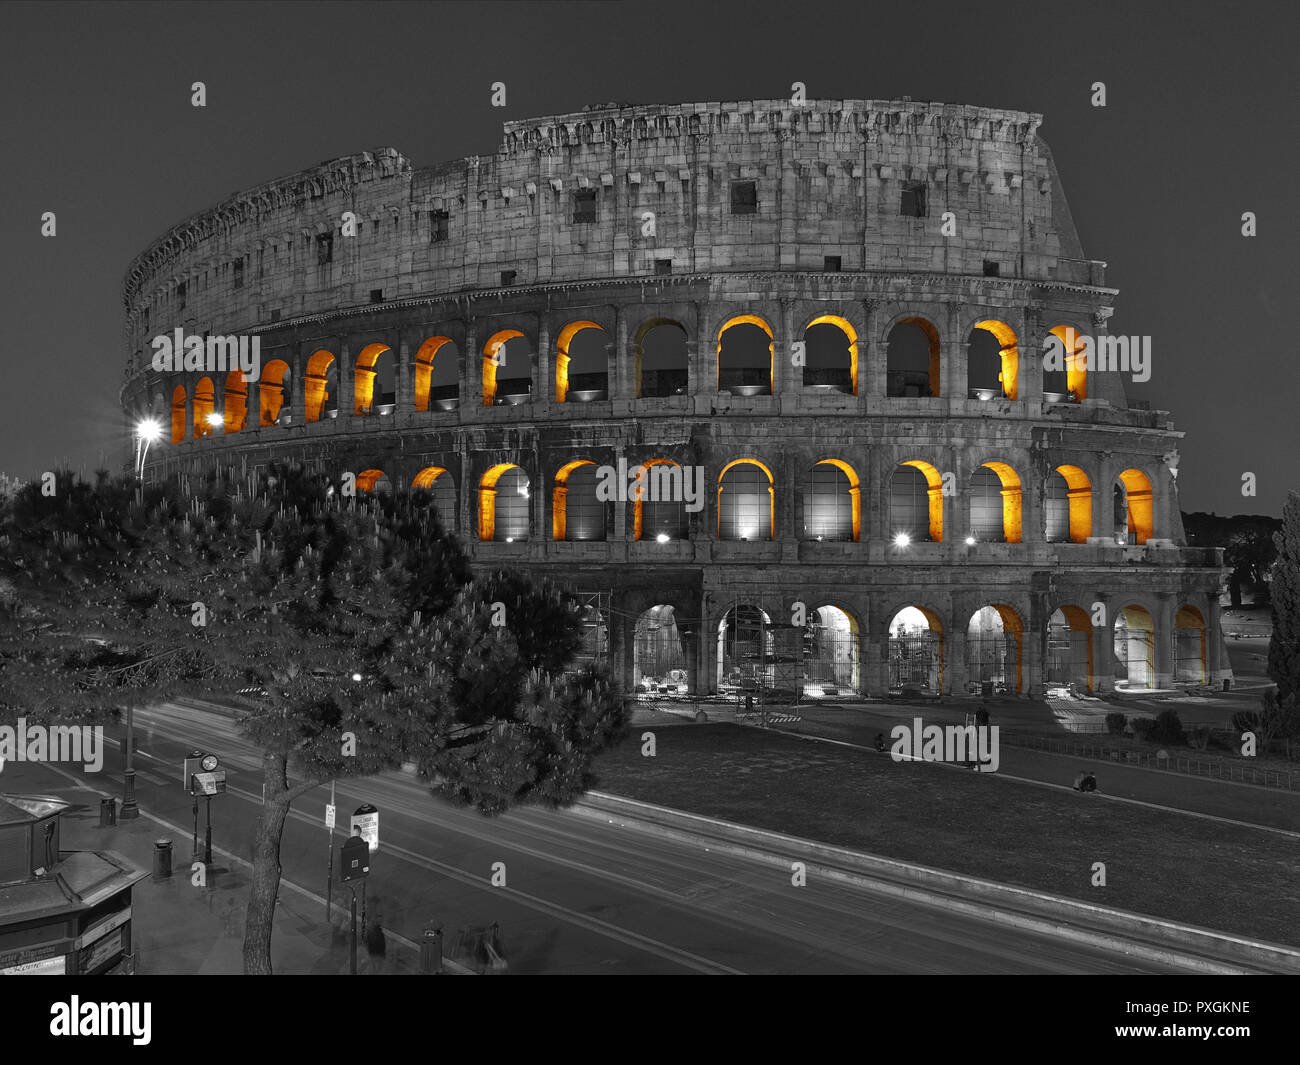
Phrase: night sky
(1201, 125)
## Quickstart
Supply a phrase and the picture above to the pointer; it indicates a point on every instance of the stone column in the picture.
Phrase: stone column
(346, 398)
(1029, 382)
(405, 391)
(467, 496)
(701, 351)
(873, 364)
(624, 529)
(1164, 639)
(621, 385)
(543, 365)
(787, 379)
(469, 376)
(952, 357)
(1103, 641)
(298, 398)
(1213, 641)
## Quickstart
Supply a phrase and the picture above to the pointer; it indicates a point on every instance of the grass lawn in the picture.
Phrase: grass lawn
(1233, 879)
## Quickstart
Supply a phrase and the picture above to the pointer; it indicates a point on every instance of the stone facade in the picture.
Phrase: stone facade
(466, 250)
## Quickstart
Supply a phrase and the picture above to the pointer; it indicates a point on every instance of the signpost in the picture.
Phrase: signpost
(354, 857)
(330, 816)
(365, 824)
(202, 777)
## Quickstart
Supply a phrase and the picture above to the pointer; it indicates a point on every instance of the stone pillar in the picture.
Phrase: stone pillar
(544, 364)
(298, 398)
(467, 496)
(1103, 642)
(621, 385)
(875, 669)
(1029, 379)
(405, 391)
(876, 512)
(624, 529)
(952, 357)
(1213, 641)
(469, 372)
(873, 365)
(786, 378)
(346, 397)
(954, 649)
(1164, 640)
(1031, 499)
(786, 488)
(701, 351)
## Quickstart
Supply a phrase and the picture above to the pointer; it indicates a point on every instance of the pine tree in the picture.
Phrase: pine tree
(212, 583)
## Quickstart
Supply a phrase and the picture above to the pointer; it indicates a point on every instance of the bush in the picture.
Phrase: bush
(1199, 737)
(1168, 728)
(1143, 727)
(1116, 723)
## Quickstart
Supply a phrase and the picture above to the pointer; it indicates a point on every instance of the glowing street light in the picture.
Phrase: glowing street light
(214, 419)
(902, 540)
(970, 541)
(662, 538)
(147, 430)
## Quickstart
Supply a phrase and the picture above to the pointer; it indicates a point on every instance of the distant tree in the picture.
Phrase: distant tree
(1247, 542)
(214, 583)
(1284, 647)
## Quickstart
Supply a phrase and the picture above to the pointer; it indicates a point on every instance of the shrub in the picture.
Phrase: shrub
(1168, 728)
(1116, 723)
(1143, 727)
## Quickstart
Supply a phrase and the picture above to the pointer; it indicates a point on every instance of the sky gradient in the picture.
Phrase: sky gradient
(1200, 126)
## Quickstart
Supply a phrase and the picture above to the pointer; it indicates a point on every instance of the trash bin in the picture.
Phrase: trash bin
(431, 951)
(107, 812)
(1227, 684)
(986, 689)
(162, 859)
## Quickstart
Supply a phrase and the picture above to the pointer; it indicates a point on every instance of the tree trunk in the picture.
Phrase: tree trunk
(265, 886)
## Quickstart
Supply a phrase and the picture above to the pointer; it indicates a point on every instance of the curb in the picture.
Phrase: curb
(1163, 942)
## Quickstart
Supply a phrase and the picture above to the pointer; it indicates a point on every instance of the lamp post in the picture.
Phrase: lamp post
(147, 430)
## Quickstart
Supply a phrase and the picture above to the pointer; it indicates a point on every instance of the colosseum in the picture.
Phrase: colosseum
(763, 382)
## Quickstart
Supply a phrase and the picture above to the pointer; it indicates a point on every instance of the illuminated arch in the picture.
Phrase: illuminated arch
(897, 378)
(424, 369)
(562, 343)
(1075, 501)
(916, 655)
(1011, 502)
(745, 645)
(316, 384)
(492, 350)
(995, 646)
(178, 414)
(833, 657)
(373, 481)
(1008, 353)
(1076, 365)
(1189, 646)
(659, 381)
(1139, 505)
(270, 391)
(822, 519)
(363, 380)
(1135, 646)
(673, 524)
(659, 654)
(560, 500)
(1070, 647)
(235, 401)
(205, 405)
(741, 520)
(934, 495)
(487, 502)
(747, 319)
(850, 334)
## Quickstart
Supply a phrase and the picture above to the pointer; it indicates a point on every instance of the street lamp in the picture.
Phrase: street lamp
(147, 430)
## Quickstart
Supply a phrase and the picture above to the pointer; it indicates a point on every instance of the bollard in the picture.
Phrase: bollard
(431, 951)
(107, 813)
(162, 859)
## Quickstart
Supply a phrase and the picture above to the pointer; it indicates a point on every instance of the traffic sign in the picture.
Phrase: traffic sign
(209, 783)
(366, 821)
(330, 808)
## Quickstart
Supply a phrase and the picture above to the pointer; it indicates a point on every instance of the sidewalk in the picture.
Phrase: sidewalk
(179, 928)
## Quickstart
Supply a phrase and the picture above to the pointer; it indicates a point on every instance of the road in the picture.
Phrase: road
(582, 896)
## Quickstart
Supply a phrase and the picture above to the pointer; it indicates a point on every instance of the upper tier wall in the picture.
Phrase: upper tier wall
(829, 178)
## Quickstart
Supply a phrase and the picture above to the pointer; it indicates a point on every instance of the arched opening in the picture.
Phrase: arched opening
(503, 504)
(916, 503)
(442, 491)
(1134, 508)
(594, 649)
(916, 651)
(830, 355)
(375, 381)
(179, 414)
(659, 662)
(912, 359)
(577, 512)
(375, 481)
(273, 396)
(995, 504)
(581, 363)
(437, 384)
(744, 650)
(661, 515)
(995, 640)
(746, 502)
(661, 359)
(832, 502)
(1071, 383)
(1069, 649)
(507, 369)
(1067, 506)
(745, 364)
(992, 361)
(320, 386)
(235, 401)
(1189, 646)
(1135, 648)
(831, 653)
(205, 408)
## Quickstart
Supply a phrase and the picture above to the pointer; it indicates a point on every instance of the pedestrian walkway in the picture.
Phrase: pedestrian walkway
(180, 927)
